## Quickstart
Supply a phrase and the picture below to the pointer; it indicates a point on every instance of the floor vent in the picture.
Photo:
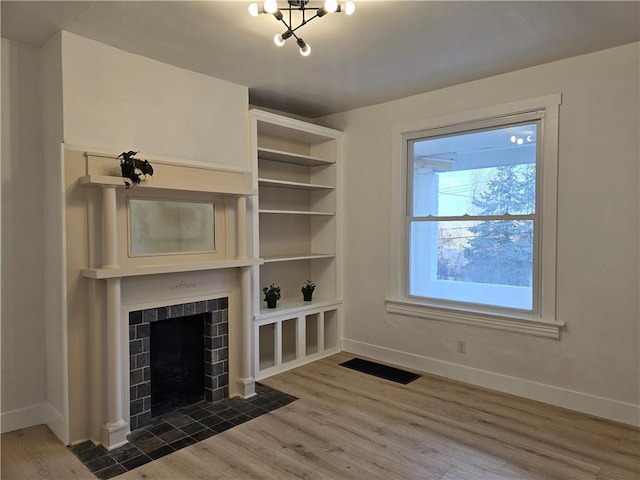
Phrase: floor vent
(379, 370)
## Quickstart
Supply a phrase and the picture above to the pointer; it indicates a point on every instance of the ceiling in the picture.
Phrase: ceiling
(384, 51)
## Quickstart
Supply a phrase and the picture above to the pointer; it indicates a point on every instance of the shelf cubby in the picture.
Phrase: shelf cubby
(312, 335)
(289, 340)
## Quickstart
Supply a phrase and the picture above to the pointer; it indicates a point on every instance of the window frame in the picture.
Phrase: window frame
(542, 320)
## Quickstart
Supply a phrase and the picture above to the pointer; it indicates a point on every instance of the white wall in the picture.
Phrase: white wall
(117, 101)
(23, 309)
(595, 367)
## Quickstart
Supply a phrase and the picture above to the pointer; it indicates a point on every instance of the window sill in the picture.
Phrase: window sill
(519, 324)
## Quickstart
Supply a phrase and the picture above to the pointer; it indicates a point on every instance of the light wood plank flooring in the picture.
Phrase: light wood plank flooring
(36, 453)
(351, 425)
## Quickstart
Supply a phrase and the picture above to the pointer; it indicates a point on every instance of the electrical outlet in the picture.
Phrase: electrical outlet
(462, 346)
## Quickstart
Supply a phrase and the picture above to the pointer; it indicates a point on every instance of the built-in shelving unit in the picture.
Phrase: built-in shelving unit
(296, 236)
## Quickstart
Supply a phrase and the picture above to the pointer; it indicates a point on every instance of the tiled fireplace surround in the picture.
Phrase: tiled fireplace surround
(216, 344)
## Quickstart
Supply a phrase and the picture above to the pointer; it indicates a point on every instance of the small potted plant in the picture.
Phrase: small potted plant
(307, 290)
(134, 170)
(271, 295)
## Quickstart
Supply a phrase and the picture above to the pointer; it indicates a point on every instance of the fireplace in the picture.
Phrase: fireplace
(212, 316)
(111, 275)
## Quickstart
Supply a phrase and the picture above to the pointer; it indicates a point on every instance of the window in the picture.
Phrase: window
(472, 215)
(478, 212)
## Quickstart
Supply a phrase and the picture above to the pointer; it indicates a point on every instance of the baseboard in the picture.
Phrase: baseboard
(56, 422)
(41, 413)
(23, 418)
(581, 402)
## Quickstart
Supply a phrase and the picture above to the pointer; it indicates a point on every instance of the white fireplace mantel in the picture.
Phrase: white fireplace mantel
(172, 180)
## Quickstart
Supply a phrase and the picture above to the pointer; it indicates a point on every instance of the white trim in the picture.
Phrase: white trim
(523, 324)
(603, 407)
(33, 415)
(545, 323)
(22, 418)
(56, 421)
(510, 108)
(65, 432)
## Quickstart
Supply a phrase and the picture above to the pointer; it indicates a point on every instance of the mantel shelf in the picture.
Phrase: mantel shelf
(121, 272)
(111, 181)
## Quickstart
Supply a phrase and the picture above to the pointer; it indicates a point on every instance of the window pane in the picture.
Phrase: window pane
(488, 262)
(490, 172)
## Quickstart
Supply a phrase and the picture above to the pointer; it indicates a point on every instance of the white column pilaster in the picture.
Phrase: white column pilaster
(246, 381)
(109, 228)
(114, 430)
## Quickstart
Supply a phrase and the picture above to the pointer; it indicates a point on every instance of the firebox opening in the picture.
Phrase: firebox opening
(177, 363)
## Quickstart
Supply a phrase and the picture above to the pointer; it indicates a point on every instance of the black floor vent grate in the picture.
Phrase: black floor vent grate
(382, 371)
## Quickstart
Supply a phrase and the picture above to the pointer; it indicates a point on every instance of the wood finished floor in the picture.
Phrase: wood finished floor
(348, 425)
(35, 453)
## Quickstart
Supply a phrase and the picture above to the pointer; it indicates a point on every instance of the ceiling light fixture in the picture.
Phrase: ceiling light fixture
(306, 14)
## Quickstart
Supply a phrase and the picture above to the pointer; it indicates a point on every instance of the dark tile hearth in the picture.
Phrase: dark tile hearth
(173, 431)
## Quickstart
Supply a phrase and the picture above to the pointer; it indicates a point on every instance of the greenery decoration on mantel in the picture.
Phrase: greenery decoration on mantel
(134, 170)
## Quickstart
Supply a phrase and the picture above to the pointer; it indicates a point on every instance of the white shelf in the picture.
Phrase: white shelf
(268, 182)
(294, 158)
(120, 272)
(294, 257)
(295, 212)
(295, 306)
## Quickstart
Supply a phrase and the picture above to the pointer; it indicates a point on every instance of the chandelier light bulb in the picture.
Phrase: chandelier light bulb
(349, 7)
(305, 51)
(278, 39)
(254, 10)
(331, 6)
(270, 6)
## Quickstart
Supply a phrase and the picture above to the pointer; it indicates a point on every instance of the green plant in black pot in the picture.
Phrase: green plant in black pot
(307, 290)
(134, 169)
(271, 295)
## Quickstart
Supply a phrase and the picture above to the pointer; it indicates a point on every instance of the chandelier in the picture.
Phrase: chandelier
(304, 14)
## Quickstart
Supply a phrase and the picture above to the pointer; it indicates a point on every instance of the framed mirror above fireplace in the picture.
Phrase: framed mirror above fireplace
(169, 227)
